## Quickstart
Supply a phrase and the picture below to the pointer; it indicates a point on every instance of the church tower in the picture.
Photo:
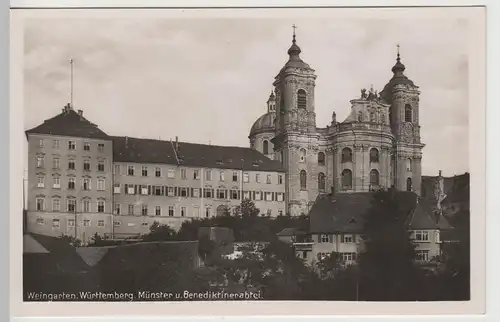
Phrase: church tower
(406, 163)
(296, 138)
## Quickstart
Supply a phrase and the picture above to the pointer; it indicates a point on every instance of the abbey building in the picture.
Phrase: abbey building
(377, 146)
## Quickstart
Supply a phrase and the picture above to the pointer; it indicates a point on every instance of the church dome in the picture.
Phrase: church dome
(264, 124)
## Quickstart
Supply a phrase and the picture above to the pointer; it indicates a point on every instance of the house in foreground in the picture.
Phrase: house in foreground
(336, 225)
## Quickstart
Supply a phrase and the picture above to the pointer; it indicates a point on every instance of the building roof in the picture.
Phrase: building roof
(291, 232)
(126, 149)
(345, 212)
(69, 123)
(455, 188)
(31, 246)
(264, 123)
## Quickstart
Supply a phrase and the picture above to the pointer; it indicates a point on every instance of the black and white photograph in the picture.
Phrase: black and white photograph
(281, 156)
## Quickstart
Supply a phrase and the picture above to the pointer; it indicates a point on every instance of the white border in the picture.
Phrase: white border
(238, 308)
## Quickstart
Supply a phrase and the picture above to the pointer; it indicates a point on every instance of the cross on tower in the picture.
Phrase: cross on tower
(294, 27)
(398, 49)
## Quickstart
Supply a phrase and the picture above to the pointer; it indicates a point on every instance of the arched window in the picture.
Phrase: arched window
(373, 155)
(360, 116)
(346, 179)
(408, 184)
(265, 147)
(321, 158)
(408, 164)
(382, 118)
(282, 157)
(408, 113)
(321, 182)
(303, 180)
(302, 155)
(346, 155)
(374, 178)
(301, 99)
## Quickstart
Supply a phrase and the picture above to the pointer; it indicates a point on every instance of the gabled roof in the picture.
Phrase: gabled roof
(423, 217)
(69, 123)
(126, 149)
(345, 212)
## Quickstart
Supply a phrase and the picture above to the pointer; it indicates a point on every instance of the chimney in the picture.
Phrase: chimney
(80, 112)
(126, 142)
(177, 144)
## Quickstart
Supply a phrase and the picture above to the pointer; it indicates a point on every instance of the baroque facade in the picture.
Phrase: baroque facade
(377, 146)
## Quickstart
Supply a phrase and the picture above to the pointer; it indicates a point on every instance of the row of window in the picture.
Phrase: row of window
(417, 235)
(70, 222)
(346, 180)
(344, 256)
(131, 171)
(71, 205)
(56, 164)
(345, 239)
(86, 183)
(346, 155)
(56, 144)
(188, 192)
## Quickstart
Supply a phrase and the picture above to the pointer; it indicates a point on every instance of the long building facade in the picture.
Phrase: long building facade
(377, 146)
(82, 181)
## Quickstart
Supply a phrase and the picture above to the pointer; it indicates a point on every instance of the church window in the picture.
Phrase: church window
(374, 178)
(346, 155)
(301, 99)
(303, 180)
(265, 147)
(408, 185)
(373, 155)
(408, 113)
(302, 155)
(321, 158)
(408, 164)
(321, 182)
(347, 179)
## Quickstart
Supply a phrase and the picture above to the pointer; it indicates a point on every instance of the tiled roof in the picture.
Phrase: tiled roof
(345, 212)
(69, 123)
(126, 149)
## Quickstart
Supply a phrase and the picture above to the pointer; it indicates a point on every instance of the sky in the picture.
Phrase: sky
(207, 80)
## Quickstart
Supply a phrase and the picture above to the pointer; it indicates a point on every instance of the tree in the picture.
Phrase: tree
(330, 265)
(455, 277)
(247, 209)
(159, 232)
(387, 268)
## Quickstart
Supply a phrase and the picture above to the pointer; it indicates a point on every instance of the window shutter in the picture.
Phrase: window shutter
(213, 193)
(136, 188)
(149, 190)
(126, 189)
(330, 238)
(192, 191)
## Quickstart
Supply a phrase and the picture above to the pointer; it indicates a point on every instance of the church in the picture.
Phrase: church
(376, 147)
